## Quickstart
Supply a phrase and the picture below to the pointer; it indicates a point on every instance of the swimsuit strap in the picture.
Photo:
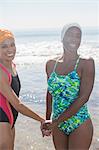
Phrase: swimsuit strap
(6, 71)
(77, 62)
(76, 65)
(4, 68)
(55, 65)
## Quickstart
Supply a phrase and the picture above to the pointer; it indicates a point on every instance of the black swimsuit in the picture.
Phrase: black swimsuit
(15, 85)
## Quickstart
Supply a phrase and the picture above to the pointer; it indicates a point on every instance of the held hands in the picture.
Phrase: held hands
(47, 127)
(46, 131)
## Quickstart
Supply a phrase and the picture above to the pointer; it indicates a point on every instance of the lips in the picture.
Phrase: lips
(72, 45)
(10, 55)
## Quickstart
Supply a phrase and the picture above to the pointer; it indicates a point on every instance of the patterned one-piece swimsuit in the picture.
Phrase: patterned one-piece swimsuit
(65, 90)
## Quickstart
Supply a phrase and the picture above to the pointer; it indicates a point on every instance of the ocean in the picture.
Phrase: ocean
(42, 44)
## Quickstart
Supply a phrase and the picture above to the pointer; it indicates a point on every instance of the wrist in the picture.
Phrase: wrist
(42, 120)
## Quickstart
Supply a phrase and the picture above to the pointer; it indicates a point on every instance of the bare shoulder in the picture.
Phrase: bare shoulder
(50, 65)
(88, 64)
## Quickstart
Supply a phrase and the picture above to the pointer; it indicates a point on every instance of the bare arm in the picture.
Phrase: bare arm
(48, 95)
(8, 92)
(48, 105)
(87, 81)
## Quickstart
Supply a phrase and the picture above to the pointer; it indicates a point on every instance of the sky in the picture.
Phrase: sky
(29, 14)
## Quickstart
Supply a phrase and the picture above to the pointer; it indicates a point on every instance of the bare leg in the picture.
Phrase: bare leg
(81, 138)
(5, 136)
(13, 136)
(60, 139)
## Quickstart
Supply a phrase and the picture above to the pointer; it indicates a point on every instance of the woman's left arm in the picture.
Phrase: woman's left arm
(86, 86)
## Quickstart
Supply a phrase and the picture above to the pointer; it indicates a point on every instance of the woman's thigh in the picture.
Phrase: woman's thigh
(81, 138)
(13, 136)
(60, 139)
(5, 136)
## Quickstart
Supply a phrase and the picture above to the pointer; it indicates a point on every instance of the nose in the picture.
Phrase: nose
(11, 49)
(9, 45)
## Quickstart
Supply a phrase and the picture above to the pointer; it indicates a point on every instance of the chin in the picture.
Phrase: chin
(10, 59)
(74, 49)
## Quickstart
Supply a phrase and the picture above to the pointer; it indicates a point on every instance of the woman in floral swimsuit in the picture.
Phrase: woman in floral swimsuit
(70, 82)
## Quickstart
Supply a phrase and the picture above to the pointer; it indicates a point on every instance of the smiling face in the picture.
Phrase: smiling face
(7, 49)
(72, 39)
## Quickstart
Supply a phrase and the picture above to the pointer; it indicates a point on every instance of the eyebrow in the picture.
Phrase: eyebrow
(7, 43)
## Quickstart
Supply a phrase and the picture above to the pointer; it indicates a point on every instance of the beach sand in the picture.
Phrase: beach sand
(28, 134)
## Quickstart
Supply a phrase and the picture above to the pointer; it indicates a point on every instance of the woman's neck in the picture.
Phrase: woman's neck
(7, 64)
(68, 56)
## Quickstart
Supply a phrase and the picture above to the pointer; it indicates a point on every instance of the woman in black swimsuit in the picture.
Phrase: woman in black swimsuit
(10, 103)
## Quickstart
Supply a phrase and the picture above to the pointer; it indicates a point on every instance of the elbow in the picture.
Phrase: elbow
(18, 107)
(86, 99)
